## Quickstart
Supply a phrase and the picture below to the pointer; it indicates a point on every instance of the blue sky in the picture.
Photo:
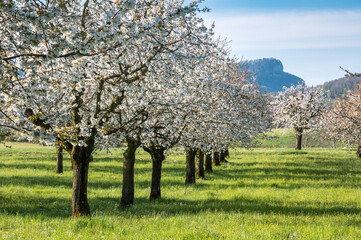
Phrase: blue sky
(311, 38)
(284, 4)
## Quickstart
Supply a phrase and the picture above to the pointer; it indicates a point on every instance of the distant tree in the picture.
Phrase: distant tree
(200, 164)
(343, 121)
(208, 162)
(300, 108)
(216, 161)
(59, 158)
(223, 155)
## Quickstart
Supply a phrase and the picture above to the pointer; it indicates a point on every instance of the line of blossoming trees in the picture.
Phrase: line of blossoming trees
(305, 109)
(86, 75)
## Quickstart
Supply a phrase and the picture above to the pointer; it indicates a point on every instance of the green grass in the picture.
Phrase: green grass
(259, 194)
(286, 138)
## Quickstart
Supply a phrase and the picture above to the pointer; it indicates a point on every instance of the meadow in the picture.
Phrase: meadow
(266, 193)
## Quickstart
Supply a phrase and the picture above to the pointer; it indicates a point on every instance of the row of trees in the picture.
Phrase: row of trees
(305, 109)
(343, 120)
(87, 75)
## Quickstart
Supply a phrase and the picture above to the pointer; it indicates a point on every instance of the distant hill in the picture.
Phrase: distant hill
(338, 87)
(269, 73)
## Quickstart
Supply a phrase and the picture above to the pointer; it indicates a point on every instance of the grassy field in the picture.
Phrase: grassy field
(285, 138)
(260, 194)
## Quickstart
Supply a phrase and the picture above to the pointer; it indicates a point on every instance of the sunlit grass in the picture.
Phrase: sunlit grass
(259, 194)
(286, 138)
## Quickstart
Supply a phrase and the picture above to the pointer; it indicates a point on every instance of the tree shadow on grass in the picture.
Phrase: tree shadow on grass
(35, 206)
(38, 166)
(315, 170)
(55, 181)
(61, 207)
(261, 177)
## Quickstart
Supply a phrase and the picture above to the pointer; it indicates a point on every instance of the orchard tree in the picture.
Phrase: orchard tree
(163, 100)
(343, 121)
(299, 108)
(172, 116)
(67, 67)
(232, 110)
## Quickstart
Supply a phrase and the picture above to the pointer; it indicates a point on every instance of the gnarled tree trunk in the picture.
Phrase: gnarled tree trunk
(298, 138)
(80, 157)
(128, 174)
(59, 159)
(191, 167)
(216, 161)
(200, 164)
(208, 164)
(157, 155)
(358, 153)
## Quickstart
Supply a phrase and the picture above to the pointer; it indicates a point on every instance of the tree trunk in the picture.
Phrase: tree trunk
(216, 161)
(128, 174)
(59, 159)
(226, 152)
(358, 153)
(80, 157)
(191, 168)
(208, 163)
(200, 164)
(157, 155)
(222, 156)
(298, 138)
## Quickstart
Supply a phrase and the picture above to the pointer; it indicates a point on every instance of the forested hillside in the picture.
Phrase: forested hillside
(269, 73)
(338, 87)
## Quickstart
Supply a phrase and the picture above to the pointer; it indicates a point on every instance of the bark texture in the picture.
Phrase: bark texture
(59, 159)
(128, 174)
(216, 161)
(80, 157)
(200, 164)
(157, 155)
(298, 138)
(191, 167)
(208, 164)
(358, 153)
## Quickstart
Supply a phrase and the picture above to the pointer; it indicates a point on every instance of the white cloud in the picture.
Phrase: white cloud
(289, 30)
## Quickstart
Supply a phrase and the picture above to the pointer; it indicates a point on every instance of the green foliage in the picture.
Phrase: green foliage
(260, 194)
(337, 88)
